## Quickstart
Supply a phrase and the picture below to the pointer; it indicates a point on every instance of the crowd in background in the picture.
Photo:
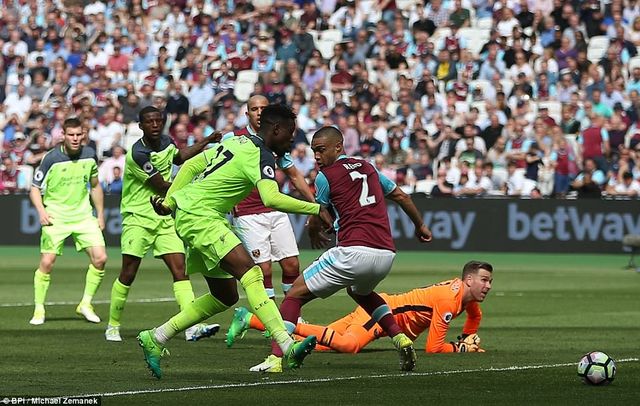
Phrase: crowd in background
(529, 98)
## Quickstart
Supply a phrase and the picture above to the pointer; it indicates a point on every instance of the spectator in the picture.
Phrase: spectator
(9, 174)
(115, 186)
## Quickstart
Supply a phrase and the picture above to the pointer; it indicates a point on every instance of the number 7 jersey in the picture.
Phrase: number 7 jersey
(355, 190)
(233, 169)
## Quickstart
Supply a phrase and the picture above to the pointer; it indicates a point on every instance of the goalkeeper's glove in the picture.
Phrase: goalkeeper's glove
(467, 343)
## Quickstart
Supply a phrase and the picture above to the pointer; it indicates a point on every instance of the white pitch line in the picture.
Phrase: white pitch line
(105, 301)
(149, 300)
(335, 379)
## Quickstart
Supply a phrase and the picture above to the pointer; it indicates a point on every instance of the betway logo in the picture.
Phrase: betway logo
(445, 225)
(567, 223)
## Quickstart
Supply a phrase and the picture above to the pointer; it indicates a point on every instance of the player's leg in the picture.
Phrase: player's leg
(41, 281)
(153, 341)
(93, 279)
(254, 231)
(135, 241)
(284, 249)
(378, 264)
(51, 244)
(183, 292)
(88, 237)
(348, 334)
(119, 293)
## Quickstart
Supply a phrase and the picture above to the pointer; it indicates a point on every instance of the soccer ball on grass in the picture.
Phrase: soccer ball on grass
(597, 368)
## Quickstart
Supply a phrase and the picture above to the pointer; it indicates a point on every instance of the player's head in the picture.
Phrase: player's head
(73, 135)
(327, 145)
(477, 277)
(277, 128)
(151, 122)
(255, 105)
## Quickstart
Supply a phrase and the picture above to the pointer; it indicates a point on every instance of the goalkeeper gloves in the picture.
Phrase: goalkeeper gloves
(467, 343)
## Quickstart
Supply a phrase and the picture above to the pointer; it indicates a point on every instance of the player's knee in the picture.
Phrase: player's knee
(99, 260)
(290, 266)
(227, 298)
(46, 263)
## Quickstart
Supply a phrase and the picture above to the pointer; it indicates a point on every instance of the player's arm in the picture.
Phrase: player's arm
(299, 182)
(187, 172)
(35, 194)
(394, 193)
(474, 316)
(272, 197)
(36, 199)
(187, 153)
(436, 339)
(97, 197)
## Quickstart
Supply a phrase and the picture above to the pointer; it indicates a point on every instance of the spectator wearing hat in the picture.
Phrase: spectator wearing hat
(264, 60)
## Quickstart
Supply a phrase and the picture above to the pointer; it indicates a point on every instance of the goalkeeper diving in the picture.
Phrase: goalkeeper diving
(431, 307)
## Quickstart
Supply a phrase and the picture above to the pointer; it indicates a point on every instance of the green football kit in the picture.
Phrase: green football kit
(64, 181)
(142, 228)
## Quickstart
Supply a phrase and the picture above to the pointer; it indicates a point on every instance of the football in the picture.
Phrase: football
(597, 368)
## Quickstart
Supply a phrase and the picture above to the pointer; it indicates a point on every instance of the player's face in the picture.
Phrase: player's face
(325, 151)
(254, 110)
(73, 137)
(282, 138)
(479, 284)
(151, 124)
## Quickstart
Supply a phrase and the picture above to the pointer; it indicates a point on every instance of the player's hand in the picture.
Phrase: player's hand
(101, 223)
(159, 207)
(468, 343)
(424, 234)
(318, 238)
(326, 218)
(215, 137)
(46, 219)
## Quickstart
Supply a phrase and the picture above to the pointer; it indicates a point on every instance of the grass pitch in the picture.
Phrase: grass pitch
(543, 313)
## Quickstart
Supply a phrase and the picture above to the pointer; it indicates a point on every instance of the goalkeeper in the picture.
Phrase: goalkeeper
(432, 307)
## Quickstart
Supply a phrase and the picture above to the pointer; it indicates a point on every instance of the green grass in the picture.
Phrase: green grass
(543, 310)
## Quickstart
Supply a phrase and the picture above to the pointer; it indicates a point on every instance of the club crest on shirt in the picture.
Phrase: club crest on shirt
(147, 167)
(267, 170)
(447, 317)
(255, 253)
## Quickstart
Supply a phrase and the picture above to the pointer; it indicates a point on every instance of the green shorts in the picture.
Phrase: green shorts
(85, 233)
(137, 240)
(208, 241)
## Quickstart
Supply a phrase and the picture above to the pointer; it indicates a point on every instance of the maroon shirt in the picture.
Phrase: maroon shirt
(592, 143)
(356, 194)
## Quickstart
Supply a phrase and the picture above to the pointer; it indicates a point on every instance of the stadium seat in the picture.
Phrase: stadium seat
(599, 41)
(634, 63)
(485, 23)
(507, 86)
(249, 76)
(242, 91)
(331, 35)
(132, 133)
(325, 46)
(425, 186)
(405, 5)
(597, 47)
(328, 94)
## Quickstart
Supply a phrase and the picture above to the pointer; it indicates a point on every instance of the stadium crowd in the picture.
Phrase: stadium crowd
(530, 98)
